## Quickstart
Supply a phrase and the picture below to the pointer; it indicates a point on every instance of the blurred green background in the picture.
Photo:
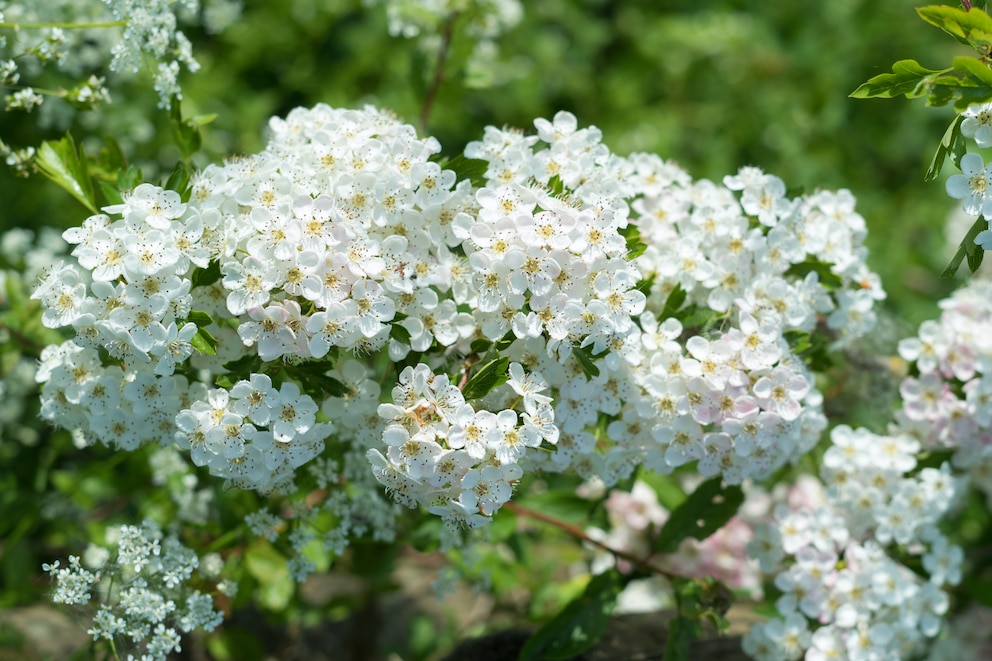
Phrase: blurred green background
(711, 85)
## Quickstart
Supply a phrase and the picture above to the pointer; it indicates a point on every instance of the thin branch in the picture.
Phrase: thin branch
(580, 534)
(442, 54)
(63, 26)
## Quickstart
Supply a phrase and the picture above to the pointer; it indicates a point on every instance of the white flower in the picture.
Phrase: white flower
(972, 186)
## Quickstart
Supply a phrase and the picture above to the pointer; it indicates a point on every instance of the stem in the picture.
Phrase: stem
(63, 26)
(442, 54)
(577, 532)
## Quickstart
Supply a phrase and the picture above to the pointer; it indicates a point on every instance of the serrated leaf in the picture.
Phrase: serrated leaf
(703, 513)
(489, 376)
(972, 27)
(59, 161)
(908, 78)
(966, 248)
(580, 625)
(952, 144)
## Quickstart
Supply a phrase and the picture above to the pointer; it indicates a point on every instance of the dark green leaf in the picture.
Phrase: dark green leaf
(480, 345)
(674, 302)
(827, 277)
(908, 79)
(580, 625)
(473, 169)
(589, 367)
(243, 366)
(59, 161)
(952, 144)
(703, 513)
(966, 248)
(185, 132)
(489, 376)
(208, 276)
(199, 318)
(681, 632)
(399, 333)
(179, 180)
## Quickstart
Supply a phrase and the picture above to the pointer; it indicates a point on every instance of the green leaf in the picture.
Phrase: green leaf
(907, 79)
(400, 333)
(972, 27)
(828, 278)
(204, 342)
(670, 494)
(966, 249)
(59, 161)
(589, 367)
(681, 632)
(208, 276)
(580, 625)
(489, 376)
(314, 379)
(185, 132)
(199, 318)
(473, 169)
(635, 246)
(695, 599)
(703, 513)
(555, 185)
(270, 569)
(952, 144)
(674, 302)
(179, 180)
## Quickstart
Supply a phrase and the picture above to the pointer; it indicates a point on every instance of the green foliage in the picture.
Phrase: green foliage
(704, 512)
(490, 375)
(60, 161)
(968, 249)
(696, 600)
(580, 625)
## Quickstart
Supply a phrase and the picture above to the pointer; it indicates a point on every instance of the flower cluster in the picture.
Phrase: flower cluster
(444, 454)
(974, 185)
(145, 602)
(149, 30)
(947, 399)
(832, 562)
(226, 317)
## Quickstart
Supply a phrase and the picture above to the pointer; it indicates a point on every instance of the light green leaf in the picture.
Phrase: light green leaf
(908, 78)
(973, 27)
(59, 161)
(952, 144)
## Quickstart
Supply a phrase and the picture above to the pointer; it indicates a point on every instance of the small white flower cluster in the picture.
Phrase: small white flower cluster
(170, 470)
(253, 435)
(149, 29)
(144, 599)
(444, 454)
(832, 563)
(947, 401)
(974, 185)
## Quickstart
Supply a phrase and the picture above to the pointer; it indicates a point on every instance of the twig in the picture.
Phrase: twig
(442, 54)
(580, 534)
